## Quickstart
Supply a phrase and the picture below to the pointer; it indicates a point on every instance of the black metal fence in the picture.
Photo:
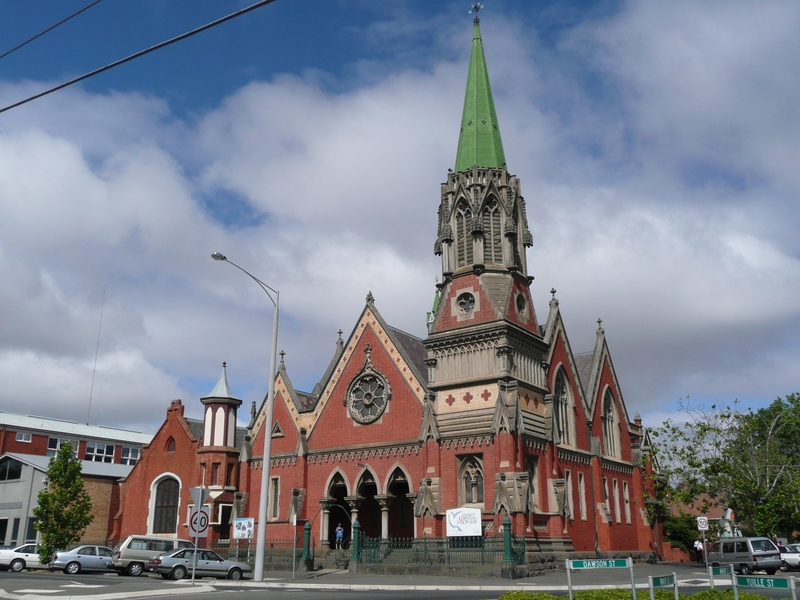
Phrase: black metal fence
(440, 551)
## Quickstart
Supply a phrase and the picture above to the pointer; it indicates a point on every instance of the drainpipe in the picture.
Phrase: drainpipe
(594, 502)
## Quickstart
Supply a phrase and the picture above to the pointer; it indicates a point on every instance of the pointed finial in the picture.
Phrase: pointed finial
(368, 353)
(339, 342)
(282, 353)
(370, 298)
(224, 364)
(476, 8)
(253, 410)
(599, 324)
(553, 292)
(340, 332)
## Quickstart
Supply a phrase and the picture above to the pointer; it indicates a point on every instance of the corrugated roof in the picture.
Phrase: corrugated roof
(95, 469)
(72, 429)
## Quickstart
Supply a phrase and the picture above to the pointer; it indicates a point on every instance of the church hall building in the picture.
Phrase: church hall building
(492, 410)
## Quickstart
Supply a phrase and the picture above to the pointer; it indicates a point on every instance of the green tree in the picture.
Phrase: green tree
(745, 460)
(63, 513)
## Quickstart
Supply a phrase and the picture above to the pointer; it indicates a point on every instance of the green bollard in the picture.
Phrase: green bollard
(306, 541)
(507, 556)
(356, 556)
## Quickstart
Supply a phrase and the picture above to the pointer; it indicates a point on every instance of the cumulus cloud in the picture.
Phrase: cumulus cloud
(655, 149)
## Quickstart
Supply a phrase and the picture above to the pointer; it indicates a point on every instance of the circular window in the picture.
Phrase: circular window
(367, 398)
(466, 302)
(522, 305)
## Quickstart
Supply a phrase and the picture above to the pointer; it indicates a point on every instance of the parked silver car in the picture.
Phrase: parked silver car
(83, 558)
(21, 558)
(178, 564)
(746, 554)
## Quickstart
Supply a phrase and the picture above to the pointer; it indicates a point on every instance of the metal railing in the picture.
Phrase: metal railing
(440, 551)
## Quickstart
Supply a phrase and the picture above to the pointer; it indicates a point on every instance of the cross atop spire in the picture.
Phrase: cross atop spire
(479, 142)
(476, 8)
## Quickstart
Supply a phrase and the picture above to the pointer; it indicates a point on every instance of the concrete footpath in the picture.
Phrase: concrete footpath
(689, 575)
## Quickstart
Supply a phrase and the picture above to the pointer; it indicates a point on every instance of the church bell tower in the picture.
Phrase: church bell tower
(484, 345)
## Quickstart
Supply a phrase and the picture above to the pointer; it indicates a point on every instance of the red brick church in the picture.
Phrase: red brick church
(492, 410)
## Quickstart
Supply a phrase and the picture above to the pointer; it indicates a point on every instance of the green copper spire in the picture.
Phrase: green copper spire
(479, 142)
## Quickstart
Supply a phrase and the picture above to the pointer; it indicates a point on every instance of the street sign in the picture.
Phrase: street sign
(600, 563)
(199, 495)
(723, 570)
(702, 523)
(666, 581)
(763, 582)
(199, 519)
(610, 563)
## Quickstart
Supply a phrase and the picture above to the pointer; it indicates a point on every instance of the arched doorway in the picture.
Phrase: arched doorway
(369, 511)
(401, 509)
(338, 509)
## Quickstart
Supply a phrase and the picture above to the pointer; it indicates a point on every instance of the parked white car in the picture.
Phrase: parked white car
(21, 558)
(790, 555)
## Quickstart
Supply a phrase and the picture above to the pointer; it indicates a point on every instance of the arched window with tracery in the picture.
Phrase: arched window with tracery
(492, 236)
(471, 480)
(165, 513)
(564, 410)
(464, 255)
(610, 425)
(170, 445)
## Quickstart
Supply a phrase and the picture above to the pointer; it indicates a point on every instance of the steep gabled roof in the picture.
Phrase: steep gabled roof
(413, 351)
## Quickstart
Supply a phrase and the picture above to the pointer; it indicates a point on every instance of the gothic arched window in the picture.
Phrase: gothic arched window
(471, 480)
(493, 238)
(463, 235)
(165, 514)
(610, 425)
(563, 407)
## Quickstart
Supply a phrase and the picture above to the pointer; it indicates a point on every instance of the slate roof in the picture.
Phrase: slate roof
(583, 363)
(414, 351)
(305, 401)
(196, 427)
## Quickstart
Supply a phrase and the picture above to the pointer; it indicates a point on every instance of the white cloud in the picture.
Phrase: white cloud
(660, 192)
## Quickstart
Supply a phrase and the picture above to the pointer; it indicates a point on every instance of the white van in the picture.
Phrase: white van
(132, 556)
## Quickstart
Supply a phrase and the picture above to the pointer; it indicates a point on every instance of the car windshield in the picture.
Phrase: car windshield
(763, 546)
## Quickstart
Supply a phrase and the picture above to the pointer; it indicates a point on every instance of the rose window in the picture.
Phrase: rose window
(368, 397)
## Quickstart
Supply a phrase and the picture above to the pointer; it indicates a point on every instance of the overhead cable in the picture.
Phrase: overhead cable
(40, 34)
(122, 61)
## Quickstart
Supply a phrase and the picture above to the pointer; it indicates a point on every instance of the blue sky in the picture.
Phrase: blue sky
(656, 145)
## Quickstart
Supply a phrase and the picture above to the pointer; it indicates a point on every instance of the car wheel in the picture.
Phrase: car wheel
(72, 568)
(235, 574)
(135, 569)
(745, 570)
(178, 572)
(17, 565)
(770, 571)
(784, 566)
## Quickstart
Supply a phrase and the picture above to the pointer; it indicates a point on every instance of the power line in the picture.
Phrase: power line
(38, 35)
(183, 36)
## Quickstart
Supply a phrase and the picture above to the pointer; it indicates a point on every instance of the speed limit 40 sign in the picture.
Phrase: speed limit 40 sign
(702, 523)
(198, 521)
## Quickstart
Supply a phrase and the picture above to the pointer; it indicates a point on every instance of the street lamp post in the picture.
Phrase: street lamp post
(261, 530)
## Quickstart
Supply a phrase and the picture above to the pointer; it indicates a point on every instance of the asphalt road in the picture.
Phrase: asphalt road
(340, 585)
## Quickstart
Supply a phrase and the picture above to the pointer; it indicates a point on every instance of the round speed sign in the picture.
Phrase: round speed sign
(702, 523)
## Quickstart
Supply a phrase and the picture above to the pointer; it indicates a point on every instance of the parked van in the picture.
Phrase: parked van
(746, 555)
(132, 556)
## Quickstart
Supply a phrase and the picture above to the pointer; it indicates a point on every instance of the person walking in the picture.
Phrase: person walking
(698, 548)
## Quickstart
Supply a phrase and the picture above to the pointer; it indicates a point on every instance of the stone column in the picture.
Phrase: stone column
(384, 502)
(354, 502)
(324, 523)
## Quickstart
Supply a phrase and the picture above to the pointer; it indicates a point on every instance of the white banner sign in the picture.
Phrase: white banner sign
(243, 528)
(463, 522)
